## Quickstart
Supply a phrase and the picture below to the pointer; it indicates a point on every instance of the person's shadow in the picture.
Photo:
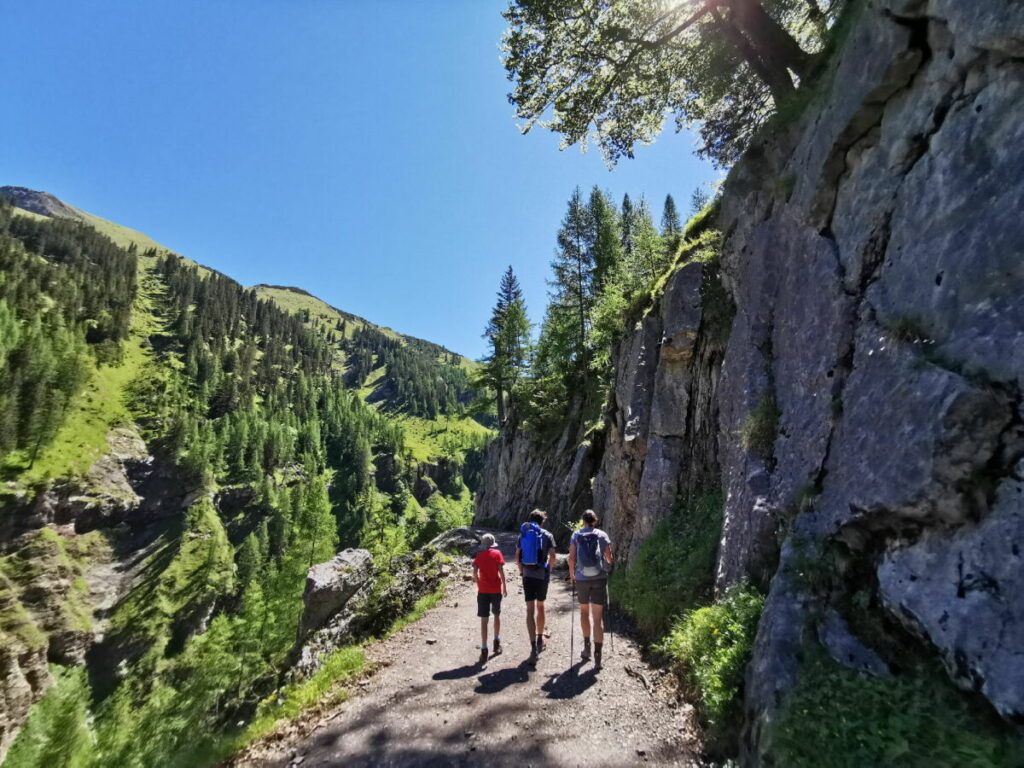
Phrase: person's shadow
(494, 682)
(459, 673)
(570, 683)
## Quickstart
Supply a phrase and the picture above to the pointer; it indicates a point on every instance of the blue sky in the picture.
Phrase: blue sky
(364, 151)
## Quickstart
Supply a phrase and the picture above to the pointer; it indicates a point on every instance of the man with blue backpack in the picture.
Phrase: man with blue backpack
(590, 560)
(535, 556)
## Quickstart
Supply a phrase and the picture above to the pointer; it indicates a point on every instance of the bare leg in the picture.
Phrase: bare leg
(585, 619)
(483, 631)
(540, 618)
(497, 626)
(531, 625)
(598, 622)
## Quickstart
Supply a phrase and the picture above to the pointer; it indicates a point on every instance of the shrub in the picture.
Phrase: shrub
(672, 572)
(762, 425)
(710, 648)
(845, 719)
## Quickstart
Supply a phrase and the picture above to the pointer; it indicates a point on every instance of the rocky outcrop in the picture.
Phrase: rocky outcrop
(348, 599)
(331, 585)
(24, 675)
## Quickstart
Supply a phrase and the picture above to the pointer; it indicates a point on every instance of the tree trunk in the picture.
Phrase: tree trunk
(774, 44)
(776, 77)
(501, 406)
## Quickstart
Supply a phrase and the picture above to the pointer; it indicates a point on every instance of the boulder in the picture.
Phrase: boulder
(330, 585)
(459, 541)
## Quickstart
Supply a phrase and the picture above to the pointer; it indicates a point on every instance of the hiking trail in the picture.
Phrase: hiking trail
(430, 704)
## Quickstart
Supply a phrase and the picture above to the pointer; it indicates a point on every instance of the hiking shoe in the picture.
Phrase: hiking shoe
(585, 656)
(541, 643)
(483, 657)
(497, 647)
(597, 655)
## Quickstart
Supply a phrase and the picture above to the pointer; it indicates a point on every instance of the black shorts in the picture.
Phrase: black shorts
(488, 603)
(535, 589)
(592, 591)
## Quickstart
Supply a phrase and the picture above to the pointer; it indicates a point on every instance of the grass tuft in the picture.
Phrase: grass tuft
(846, 719)
(761, 427)
(709, 649)
(673, 570)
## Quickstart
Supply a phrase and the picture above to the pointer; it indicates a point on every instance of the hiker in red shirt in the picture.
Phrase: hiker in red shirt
(489, 576)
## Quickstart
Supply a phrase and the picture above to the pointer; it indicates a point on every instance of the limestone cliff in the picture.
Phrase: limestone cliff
(872, 247)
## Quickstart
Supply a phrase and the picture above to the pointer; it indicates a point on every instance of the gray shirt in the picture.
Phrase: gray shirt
(541, 571)
(602, 546)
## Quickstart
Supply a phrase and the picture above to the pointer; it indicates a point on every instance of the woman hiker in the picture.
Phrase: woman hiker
(590, 559)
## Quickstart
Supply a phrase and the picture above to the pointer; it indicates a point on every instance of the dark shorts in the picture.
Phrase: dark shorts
(487, 603)
(535, 589)
(593, 591)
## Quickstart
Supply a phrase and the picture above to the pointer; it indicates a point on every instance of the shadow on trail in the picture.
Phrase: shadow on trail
(458, 673)
(570, 683)
(495, 682)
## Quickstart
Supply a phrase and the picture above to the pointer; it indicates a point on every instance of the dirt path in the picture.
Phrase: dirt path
(431, 705)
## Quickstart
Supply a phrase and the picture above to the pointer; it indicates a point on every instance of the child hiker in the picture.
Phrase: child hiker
(489, 576)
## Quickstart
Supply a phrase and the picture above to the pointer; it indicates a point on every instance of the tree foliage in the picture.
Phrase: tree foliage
(614, 70)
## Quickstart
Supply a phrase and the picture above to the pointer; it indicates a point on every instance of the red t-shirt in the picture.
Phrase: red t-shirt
(489, 561)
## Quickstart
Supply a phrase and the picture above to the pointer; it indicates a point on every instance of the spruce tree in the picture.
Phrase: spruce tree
(573, 281)
(508, 335)
(670, 225)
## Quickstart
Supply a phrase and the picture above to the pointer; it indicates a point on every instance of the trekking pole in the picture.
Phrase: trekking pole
(611, 634)
(572, 626)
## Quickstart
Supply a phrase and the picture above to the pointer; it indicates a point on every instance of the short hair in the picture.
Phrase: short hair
(590, 518)
(538, 516)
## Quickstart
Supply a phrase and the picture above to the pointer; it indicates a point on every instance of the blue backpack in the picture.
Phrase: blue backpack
(531, 544)
(590, 554)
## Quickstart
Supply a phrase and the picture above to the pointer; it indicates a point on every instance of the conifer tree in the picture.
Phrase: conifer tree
(606, 237)
(508, 336)
(573, 282)
(627, 225)
(670, 224)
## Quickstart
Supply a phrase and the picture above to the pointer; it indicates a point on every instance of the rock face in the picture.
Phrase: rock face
(663, 421)
(521, 475)
(873, 252)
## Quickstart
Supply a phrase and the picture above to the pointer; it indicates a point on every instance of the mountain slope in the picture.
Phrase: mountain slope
(430, 434)
(177, 450)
